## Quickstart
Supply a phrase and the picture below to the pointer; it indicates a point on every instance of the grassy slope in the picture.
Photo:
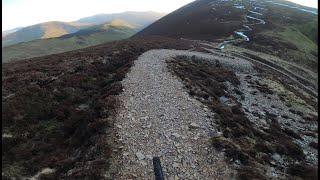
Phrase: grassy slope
(58, 45)
(290, 44)
(296, 37)
(293, 35)
(310, 29)
(289, 34)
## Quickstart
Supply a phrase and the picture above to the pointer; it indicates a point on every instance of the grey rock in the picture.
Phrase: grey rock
(176, 135)
(83, 106)
(140, 156)
(223, 99)
(194, 125)
(276, 157)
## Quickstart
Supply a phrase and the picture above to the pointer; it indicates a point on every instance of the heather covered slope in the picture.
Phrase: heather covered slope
(262, 132)
(286, 32)
(213, 19)
(58, 110)
(198, 20)
(61, 115)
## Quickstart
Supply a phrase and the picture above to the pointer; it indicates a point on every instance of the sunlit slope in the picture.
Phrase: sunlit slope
(83, 38)
(41, 31)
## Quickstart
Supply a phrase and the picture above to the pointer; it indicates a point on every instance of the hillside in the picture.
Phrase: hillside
(279, 28)
(41, 31)
(289, 34)
(198, 20)
(210, 20)
(94, 35)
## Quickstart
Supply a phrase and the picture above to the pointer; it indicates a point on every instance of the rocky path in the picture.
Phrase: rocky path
(159, 118)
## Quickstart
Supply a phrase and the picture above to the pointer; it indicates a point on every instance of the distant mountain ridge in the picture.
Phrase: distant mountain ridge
(54, 29)
(93, 35)
(115, 24)
(42, 31)
(6, 32)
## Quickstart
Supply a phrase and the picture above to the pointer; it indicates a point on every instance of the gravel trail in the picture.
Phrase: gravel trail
(159, 118)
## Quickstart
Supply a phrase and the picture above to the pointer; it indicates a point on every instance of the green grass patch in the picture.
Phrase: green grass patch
(310, 29)
(293, 35)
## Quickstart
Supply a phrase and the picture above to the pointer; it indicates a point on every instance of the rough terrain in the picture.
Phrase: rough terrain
(208, 116)
(159, 118)
(245, 111)
(58, 110)
(269, 127)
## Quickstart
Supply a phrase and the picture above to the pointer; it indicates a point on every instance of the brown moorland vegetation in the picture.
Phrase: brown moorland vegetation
(58, 109)
(203, 19)
(243, 143)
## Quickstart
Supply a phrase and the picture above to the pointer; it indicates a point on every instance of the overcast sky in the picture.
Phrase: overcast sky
(19, 13)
